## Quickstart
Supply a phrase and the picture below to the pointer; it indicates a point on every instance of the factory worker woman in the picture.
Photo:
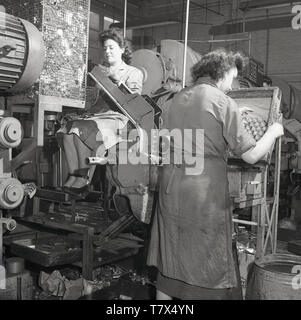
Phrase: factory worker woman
(78, 138)
(191, 238)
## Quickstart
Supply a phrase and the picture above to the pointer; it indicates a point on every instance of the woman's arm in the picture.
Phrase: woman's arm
(264, 144)
(240, 141)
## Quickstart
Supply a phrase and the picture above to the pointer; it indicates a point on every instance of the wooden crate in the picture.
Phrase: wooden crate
(245, 184)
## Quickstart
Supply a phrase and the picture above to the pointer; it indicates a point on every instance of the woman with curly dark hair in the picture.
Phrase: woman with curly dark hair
(78, 137)
(191, 238)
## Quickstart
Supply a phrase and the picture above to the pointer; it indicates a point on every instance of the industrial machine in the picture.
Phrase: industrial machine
(21, 44)
(290, 162)
(43, 75)
(39, 96)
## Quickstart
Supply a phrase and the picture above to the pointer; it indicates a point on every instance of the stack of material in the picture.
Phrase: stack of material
(122, 241)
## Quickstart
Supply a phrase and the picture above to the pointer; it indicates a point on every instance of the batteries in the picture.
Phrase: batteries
(256, 126)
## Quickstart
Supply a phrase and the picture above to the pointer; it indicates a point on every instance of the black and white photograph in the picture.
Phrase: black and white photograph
(150, 150)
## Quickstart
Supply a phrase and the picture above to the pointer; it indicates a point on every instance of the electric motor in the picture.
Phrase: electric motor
(21, 53)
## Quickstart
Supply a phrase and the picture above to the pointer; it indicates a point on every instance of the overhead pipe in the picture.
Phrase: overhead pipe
(124, 18)
(185, 43)
(260, 4)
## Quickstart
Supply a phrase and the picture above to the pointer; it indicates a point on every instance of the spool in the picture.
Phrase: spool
(10, 224)
(10, 132)
(11, 193)
(14, 265)
(275, 277)
(152, 67)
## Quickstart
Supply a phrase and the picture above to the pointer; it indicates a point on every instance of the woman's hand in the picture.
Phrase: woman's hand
(263, 145)
(276, 129)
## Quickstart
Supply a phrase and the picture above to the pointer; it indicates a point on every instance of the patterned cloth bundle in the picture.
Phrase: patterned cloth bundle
(254, 124)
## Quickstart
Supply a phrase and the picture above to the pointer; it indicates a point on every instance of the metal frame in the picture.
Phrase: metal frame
(267, 219)
(125, 17)
(185, 43)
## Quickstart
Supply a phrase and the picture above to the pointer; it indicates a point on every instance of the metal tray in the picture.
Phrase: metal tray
(48, 251)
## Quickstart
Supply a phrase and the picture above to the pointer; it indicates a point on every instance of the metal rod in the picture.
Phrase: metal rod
(250, 43)
(264, 207)
(221, 40)
(19, 288)
(277, 187)
(269, 235)
(206, 8)
(250, 223)
(260, 231)
(1, 241)
(185, 44)
(124, 19)
(211, 41)
(60, 168)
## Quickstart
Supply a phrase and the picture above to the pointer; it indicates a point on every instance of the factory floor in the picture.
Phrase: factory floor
(127, 279)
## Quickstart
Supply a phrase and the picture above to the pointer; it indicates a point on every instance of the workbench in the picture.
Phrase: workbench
(80, 238)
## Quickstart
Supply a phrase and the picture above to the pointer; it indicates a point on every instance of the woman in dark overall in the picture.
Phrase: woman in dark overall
(78, 138)
(191, 238)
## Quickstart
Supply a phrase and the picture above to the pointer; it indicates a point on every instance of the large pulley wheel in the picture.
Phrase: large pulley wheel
(172, 52)
(11, 193)
(152, 67)
(10, 132)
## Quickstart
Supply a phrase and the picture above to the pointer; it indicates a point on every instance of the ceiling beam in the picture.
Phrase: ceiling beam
(133, 3)
(116, 6)
(254, 4)
(150, 21)
(249, 26)
(146, 23)
(206, 8)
